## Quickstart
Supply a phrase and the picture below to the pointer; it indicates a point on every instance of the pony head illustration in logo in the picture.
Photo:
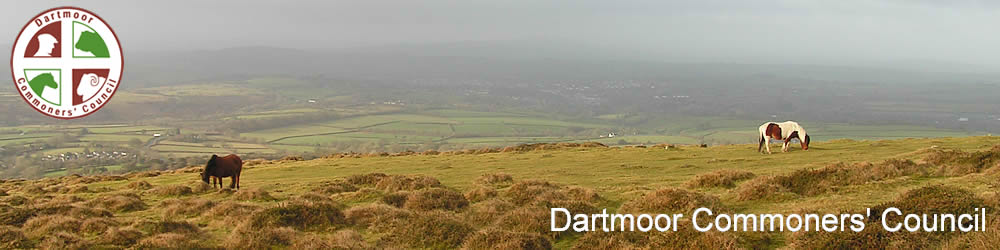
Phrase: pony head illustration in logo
(45, 42)
(67, 63)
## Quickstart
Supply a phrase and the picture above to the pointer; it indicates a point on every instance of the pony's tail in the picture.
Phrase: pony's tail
(760, 142)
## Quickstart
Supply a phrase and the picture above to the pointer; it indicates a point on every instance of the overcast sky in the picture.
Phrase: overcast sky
(771, 31)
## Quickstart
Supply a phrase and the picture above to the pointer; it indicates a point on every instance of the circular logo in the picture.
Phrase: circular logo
(67, 62)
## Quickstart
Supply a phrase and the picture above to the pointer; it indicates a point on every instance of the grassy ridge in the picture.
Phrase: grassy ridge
(466, 199)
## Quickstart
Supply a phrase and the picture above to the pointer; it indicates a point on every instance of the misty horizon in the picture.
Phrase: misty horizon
(867, 34)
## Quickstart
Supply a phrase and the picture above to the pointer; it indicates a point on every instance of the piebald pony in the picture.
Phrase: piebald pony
(781, 131)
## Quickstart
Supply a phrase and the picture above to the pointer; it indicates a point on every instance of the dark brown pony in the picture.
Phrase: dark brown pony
(219, 167)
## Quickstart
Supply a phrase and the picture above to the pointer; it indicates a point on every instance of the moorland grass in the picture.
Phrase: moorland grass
(416, 201)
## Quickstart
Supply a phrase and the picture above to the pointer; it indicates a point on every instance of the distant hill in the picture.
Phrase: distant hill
(490, 199)
(481, 61)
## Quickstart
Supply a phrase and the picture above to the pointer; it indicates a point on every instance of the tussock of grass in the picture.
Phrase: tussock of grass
(14, 200)
(671, 200)
(487, 212)
(480, 193)
(76, 211)
(119, 203)
(13, 238)
(15, 216)
(78, 189)
(581, 194)
(435, 198)
(723, 178)
(201, 187)
(173, 190)
(432, 229)
(492, 238)
(49, 224)
(368, 214)
(343, 239)
(394, 183)
(262, 238)
(369, 179)
(173, 208)
(253, 195)
(291, 158)
(524, 192)
(54, 201)
(301, 215)
(683, 238)
(63, 240)
(169, 241)
(978, 240)
(33, 189)
(764, 188)
(531, 219)
(362, 195)
(231, 212)
(396, 199)
(335, 187)
(97, 225)
(65, 199)
(546, 193)
(926, 200)
(121, 236)
(957, 162)
(77, 179)
(813, 182)
(169, 226)
(314, 197)
(139, 185)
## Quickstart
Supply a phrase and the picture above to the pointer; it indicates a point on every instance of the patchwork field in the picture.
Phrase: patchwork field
(480, 199)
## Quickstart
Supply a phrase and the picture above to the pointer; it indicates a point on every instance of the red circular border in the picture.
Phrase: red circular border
(120, 53)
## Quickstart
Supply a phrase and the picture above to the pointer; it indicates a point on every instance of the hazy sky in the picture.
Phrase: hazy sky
(799, 31)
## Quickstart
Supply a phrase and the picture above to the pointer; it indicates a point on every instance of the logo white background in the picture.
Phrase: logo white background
(67, 17)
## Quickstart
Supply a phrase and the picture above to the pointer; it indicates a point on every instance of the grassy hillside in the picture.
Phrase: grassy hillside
(500, 197)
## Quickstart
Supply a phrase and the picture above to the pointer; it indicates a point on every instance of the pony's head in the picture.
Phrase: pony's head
(805, 143)
(209, 165)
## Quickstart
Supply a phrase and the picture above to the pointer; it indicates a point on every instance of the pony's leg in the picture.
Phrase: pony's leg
(232, 183)
(237, 182)
(767, 144)
(760, 144)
